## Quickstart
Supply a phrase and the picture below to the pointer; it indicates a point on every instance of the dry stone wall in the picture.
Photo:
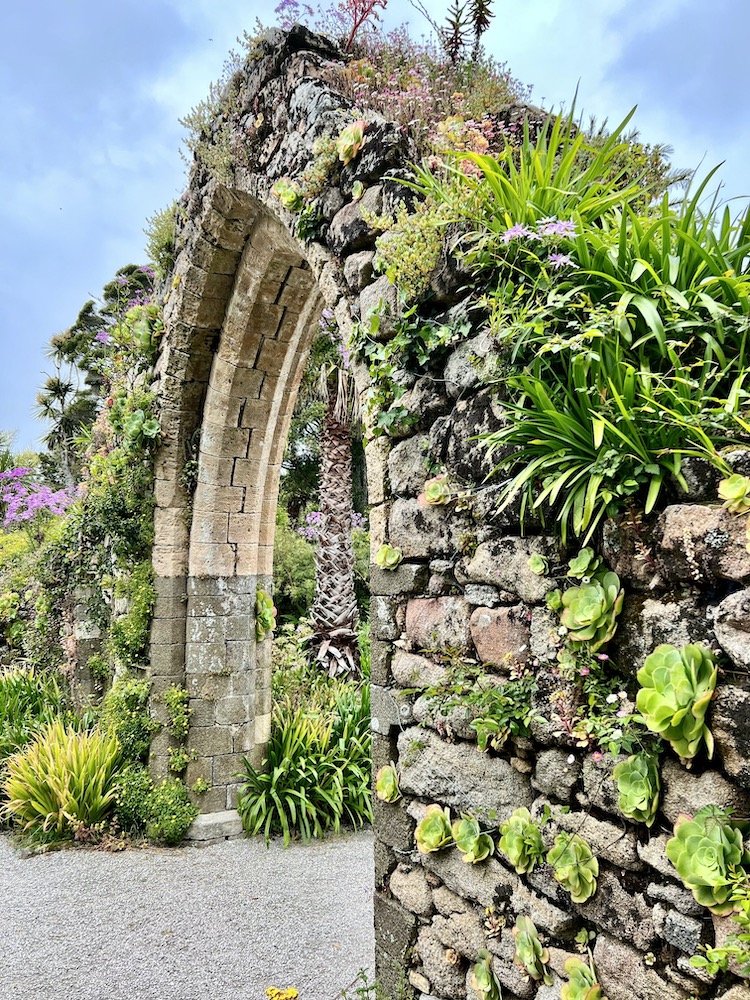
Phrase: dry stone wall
(246, 298)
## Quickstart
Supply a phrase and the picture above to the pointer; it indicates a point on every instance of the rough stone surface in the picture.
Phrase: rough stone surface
(683, 792)
(732, 628)
(624, 975)
(407, 470)
(459, 776)
(409, 886)
(446, 978)
(505, 564)
(462, 932)
(646, 622)
(555, 776)
(501, 636)
(423, 532)
(483, 884)
(681, 899)
(703, 544)
(619, 911)
(438, 623)
(730, 725)
(467, 365)
(610, 842)
(413, 671)
(683, 932)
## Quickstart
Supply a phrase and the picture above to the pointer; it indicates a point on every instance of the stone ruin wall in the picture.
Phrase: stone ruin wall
(245, 303)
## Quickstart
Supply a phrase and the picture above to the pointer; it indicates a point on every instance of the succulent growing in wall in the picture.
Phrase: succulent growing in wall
(639, 785)
(538, 564)
(434, 833)
(521, 841)
(585, 564)
(530, 953)
(472, 843)
(677, 686)
(582, 984)
(576, 868)
(288, 194)
(436, 492)
(483, 980)
(706, 850)
(265, 615)
(386, 784)
(735, 492)
(590, 611)
(350, 141)
(388, 556)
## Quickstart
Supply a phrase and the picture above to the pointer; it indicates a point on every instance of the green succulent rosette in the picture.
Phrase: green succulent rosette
(639, 785)
(576, 868)
(483, 980)
(434, 833)
(582, 984)
(590, 611)
(677, 686)
(530, 953)
(474, 845)
(289, 194)
(521, 841)
(585, 564)
(388, 556)
(386, 784)
(704, 850)
(735, 492)
(265, 615)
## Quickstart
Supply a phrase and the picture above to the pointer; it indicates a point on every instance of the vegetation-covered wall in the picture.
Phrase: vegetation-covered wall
(560, 651)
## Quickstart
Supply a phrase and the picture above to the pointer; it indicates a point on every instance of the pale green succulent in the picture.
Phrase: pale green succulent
(705, 850)
(554, 600)
(576, 868)
(289, 194)
(585, 564)
(434, 831)
(582, 984)
(265, 615)
(538, 564)
(521, 841)
(350, 141)
(530, 954)
(639, 785)
(483, 980)
(437, 491)
(735, 492)
(472, 843)
(388, 556)
(677, 686)
(590, 611)
(386, 784)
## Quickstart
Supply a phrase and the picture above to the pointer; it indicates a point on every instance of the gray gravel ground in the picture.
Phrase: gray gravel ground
(213, 923)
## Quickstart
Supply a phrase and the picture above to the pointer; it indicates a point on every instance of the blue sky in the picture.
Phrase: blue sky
(91, 92)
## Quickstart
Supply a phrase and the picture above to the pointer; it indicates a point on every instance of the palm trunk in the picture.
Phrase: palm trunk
(334, 611)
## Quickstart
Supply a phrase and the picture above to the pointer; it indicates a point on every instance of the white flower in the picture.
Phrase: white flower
(572, 759)
(611, 699)
(616, 734)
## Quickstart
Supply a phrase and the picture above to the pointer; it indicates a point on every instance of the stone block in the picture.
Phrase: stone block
(501, 635)
(205, 658)
(732, 628)
(456, 775)
(391, 709)
(461, 932)
(683, 792)
(482, 884)
(443, 968)
(730, 725)
(383, 618)
(167, 661)
(681, 899)
(413, 671)
(547, 917)
(408, 578)
(231, 711)
(227, 767)
(608, 841)
(624, 975)
(393, 824)
(211, 741)
(504, 563)
(683, 932)
(555, 775)
(438, 623)
(424, 532)
(395, 928)
(619, 911)
(381, 655)
(215, 826)
(410, 887)
(702, 544)
(407, 470)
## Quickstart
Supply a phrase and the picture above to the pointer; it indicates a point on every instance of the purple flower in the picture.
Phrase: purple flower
(103, 337)
(558, 260)
(23, 500)
(519, 231)
(556, 227)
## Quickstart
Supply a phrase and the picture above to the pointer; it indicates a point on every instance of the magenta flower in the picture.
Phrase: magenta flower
(24, 500)
(103, 337)
(517, 232)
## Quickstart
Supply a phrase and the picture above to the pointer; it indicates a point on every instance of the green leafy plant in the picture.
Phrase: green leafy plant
(473, 844)
(735, 492)
(736, 947)
(388, 556)
(538, 564)
(265, 615)
(177, 702)
(530, 954)
(639, 785)
(29, 700)
(582, 983)
(706, 850)
(64, 775)
(170, 812)
(590, 611)
(386, 783)
(350, 140)
(677, 686)
(521, 841)
(483, 980)
(125, 714)
(133, 785)
(289, 194)
(437, 491)
(433, 832)
(576, 868)
(585, 564)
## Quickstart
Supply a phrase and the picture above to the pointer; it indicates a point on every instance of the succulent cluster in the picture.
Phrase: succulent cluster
(735, 492)
(265, 615)
(521, 841)
(483, 980)
(350, 141)
(437, 492)
(388, 556)
(289, 194)
(530, 953)
(576, 868)
(386, 784)
(639, 785)
(677, 686)
(589, 612)
(472, 843)
(584, 565)
(706, 851)
(582, 984)
(434, 832)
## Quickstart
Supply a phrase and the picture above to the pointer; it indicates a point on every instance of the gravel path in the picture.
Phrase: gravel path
(212, 923)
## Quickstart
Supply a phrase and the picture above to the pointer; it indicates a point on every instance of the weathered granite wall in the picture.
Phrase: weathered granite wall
(246, 298)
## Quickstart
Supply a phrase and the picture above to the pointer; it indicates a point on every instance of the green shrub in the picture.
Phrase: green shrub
(169, 812)
(125, 714)
(63, 777)
(133, 787)
(293, 571)
(29, 700)
(129, 635)
(318, 768)
(177, 701)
